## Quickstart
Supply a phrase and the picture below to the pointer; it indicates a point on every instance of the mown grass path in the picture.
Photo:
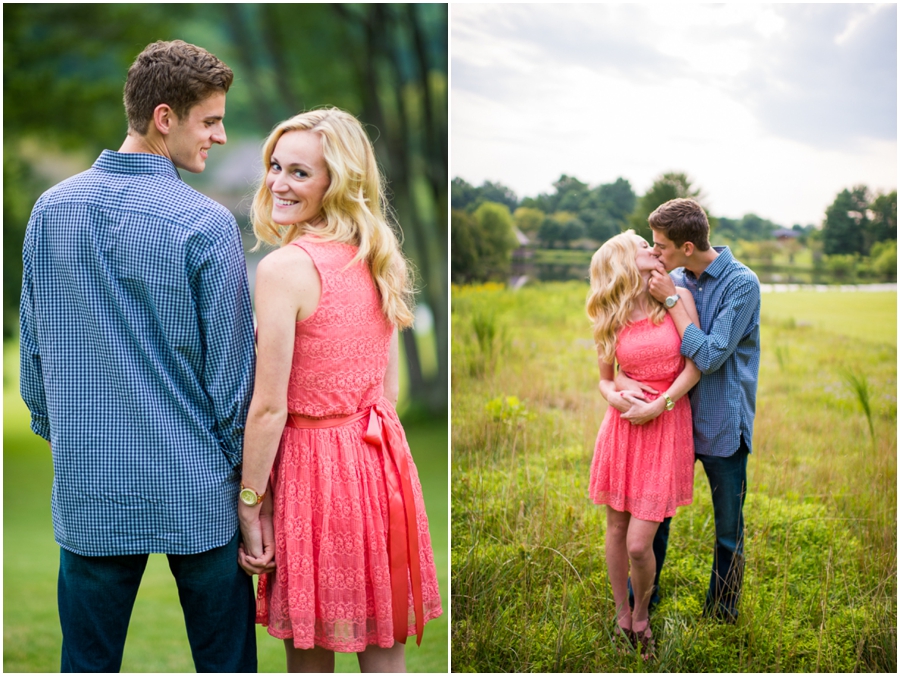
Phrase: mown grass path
(530, 591)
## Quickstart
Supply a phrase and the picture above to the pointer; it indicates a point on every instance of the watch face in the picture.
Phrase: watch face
(248, 497)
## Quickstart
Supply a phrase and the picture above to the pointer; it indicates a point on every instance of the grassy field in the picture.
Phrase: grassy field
(530, 590)
(157, 641)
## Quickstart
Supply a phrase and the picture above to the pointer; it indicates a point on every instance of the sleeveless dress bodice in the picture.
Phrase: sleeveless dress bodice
(341, 350)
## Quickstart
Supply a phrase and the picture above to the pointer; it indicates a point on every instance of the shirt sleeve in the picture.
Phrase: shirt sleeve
(710, 351)
(31, 375)
(226, 324)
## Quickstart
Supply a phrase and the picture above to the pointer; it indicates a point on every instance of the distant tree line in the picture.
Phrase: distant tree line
(487, 223)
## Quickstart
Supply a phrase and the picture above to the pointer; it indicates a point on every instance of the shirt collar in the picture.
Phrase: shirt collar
(718, 266)
(135, 163)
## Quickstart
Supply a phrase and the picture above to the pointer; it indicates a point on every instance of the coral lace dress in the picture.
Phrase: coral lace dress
(354, 565)
(646, 470)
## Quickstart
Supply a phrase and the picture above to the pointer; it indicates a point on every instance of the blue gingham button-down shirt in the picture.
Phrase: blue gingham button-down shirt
(137, 357)
(726, 350)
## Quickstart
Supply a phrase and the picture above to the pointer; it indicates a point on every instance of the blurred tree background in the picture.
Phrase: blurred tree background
(64, 68)
(855, 241)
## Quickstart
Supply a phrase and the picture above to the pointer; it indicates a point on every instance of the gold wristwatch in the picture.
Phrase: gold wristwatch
(250, 497)
(669, 403)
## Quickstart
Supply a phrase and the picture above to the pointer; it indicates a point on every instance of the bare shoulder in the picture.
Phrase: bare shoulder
(289, 264)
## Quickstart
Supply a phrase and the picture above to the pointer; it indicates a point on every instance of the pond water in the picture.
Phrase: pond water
(525, 271)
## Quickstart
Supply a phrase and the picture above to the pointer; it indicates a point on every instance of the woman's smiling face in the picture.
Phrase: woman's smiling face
(297, 178)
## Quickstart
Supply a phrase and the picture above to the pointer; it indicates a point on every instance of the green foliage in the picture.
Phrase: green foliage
(508, 410)
(469, 198)
(602, 210)
(528, 220)
(750, 227)
(845, 222)
(18, 198)
(884, 258)
(883, 224)
(481, 243)
(65, 66)
(842, 266)
(529, 575)
(667, 187)
(857, 221)
(859, 385)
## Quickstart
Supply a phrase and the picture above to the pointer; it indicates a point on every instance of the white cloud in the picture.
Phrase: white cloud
(751, 102)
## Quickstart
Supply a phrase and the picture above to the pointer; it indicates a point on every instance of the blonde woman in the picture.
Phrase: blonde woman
(643, 461)
(325, 457)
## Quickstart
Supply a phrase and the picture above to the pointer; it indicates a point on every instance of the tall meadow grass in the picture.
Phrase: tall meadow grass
(529, 583)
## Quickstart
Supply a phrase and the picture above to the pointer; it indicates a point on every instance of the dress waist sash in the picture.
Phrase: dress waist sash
(385, 433)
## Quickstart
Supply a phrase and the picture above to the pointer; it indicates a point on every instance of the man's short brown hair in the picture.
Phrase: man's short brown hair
(176, 73)
(682, 220)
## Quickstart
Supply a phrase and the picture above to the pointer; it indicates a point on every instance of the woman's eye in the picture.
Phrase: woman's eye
(274, 167)
(299, 173)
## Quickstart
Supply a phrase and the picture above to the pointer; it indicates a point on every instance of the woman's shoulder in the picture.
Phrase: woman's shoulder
(287, 261)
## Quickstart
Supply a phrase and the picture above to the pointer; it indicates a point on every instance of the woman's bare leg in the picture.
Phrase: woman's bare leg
(617, 562)
(313, 661)
(375, 660)
(643, 568)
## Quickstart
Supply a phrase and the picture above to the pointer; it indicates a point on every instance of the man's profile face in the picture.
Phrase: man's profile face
(190, 138)
(669, 255)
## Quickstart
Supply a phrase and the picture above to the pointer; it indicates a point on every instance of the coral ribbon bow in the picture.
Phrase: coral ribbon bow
(384, 432)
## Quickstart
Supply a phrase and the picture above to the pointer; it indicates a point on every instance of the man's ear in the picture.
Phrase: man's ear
(164, 118)
(688, 248)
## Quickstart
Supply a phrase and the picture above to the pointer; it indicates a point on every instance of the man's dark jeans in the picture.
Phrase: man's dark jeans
(728, 483)
(97, 593)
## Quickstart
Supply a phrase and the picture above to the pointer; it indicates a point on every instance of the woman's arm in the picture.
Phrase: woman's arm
(642, 412)
(689, 305)
(608, 389)
(287, 289)
(392, 375)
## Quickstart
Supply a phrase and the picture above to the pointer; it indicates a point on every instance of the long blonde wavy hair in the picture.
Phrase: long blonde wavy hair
(354, 207)
(616, 286)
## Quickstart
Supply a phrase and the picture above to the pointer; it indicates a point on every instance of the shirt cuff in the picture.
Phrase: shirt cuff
(40, 425)
(692, 340)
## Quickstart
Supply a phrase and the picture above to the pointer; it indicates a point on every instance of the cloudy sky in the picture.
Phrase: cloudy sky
(770, 109)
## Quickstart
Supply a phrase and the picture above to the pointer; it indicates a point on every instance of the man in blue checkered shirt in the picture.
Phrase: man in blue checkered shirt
(137, 363)
(726, 350)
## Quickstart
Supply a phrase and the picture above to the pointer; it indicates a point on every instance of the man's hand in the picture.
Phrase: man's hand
(642, 412)
(660, 285)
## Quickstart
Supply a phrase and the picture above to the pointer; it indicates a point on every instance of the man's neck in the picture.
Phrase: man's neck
(700, 260)
(149, 144)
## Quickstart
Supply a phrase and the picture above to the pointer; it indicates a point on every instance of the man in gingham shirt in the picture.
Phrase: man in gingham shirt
(137, 363)
(726, 350)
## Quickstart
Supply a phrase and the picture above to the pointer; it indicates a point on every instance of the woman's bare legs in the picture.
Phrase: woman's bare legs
(321, 661)
(643, 568)
(383, 660)
(313, 661)
(617, 562)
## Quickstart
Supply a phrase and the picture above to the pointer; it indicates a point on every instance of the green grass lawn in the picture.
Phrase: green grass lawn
(530, 589)
(868, 316)
(157, 641)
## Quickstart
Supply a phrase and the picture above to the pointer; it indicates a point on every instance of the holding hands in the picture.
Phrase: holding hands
(256, 552)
